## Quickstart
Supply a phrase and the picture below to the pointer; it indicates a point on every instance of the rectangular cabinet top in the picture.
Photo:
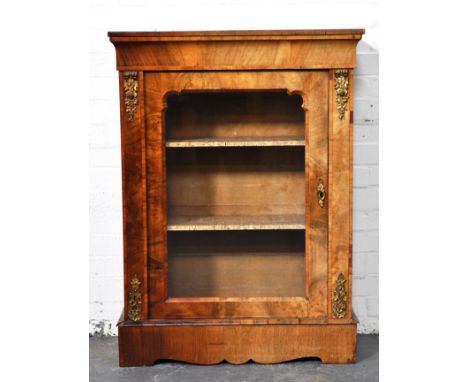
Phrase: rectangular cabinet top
(236, 50)
(323, 33)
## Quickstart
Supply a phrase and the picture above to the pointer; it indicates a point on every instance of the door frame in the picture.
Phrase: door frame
(313, 86)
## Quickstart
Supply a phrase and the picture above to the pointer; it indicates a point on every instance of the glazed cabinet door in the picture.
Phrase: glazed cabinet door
(236, 172)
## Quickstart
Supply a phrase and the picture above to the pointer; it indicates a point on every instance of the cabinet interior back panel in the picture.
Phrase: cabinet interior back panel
(236, 181)
(237, 264)
(234, 114)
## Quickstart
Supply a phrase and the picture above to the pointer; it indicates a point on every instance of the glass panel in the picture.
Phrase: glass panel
(236, 195)
(263, 263)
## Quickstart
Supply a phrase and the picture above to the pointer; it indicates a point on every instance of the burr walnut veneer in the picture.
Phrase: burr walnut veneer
(237, 191)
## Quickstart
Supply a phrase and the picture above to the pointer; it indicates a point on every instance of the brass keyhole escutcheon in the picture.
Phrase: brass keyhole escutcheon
(321, 194)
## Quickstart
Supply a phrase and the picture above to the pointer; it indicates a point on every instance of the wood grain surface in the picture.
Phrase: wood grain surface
(236, 50)
(232, 135)
(236, 344)
(312, 86)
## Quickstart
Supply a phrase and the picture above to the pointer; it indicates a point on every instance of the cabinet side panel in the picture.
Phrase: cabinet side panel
(340, 196)
(350, 188)
(134, 192)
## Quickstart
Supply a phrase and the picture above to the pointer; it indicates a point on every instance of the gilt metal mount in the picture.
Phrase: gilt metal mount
(134, 300)
(340, 297)
(130, 93)
(341, 91)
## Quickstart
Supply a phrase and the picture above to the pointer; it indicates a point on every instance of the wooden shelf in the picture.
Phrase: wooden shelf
(236, 142)
(232, 223)
(237, 254)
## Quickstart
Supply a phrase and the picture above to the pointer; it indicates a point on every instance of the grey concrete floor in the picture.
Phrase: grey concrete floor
(103, 366)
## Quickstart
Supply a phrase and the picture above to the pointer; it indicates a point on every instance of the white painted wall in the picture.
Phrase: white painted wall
(106, 283)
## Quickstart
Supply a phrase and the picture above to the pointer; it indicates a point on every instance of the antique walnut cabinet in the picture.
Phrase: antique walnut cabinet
(237, 190)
